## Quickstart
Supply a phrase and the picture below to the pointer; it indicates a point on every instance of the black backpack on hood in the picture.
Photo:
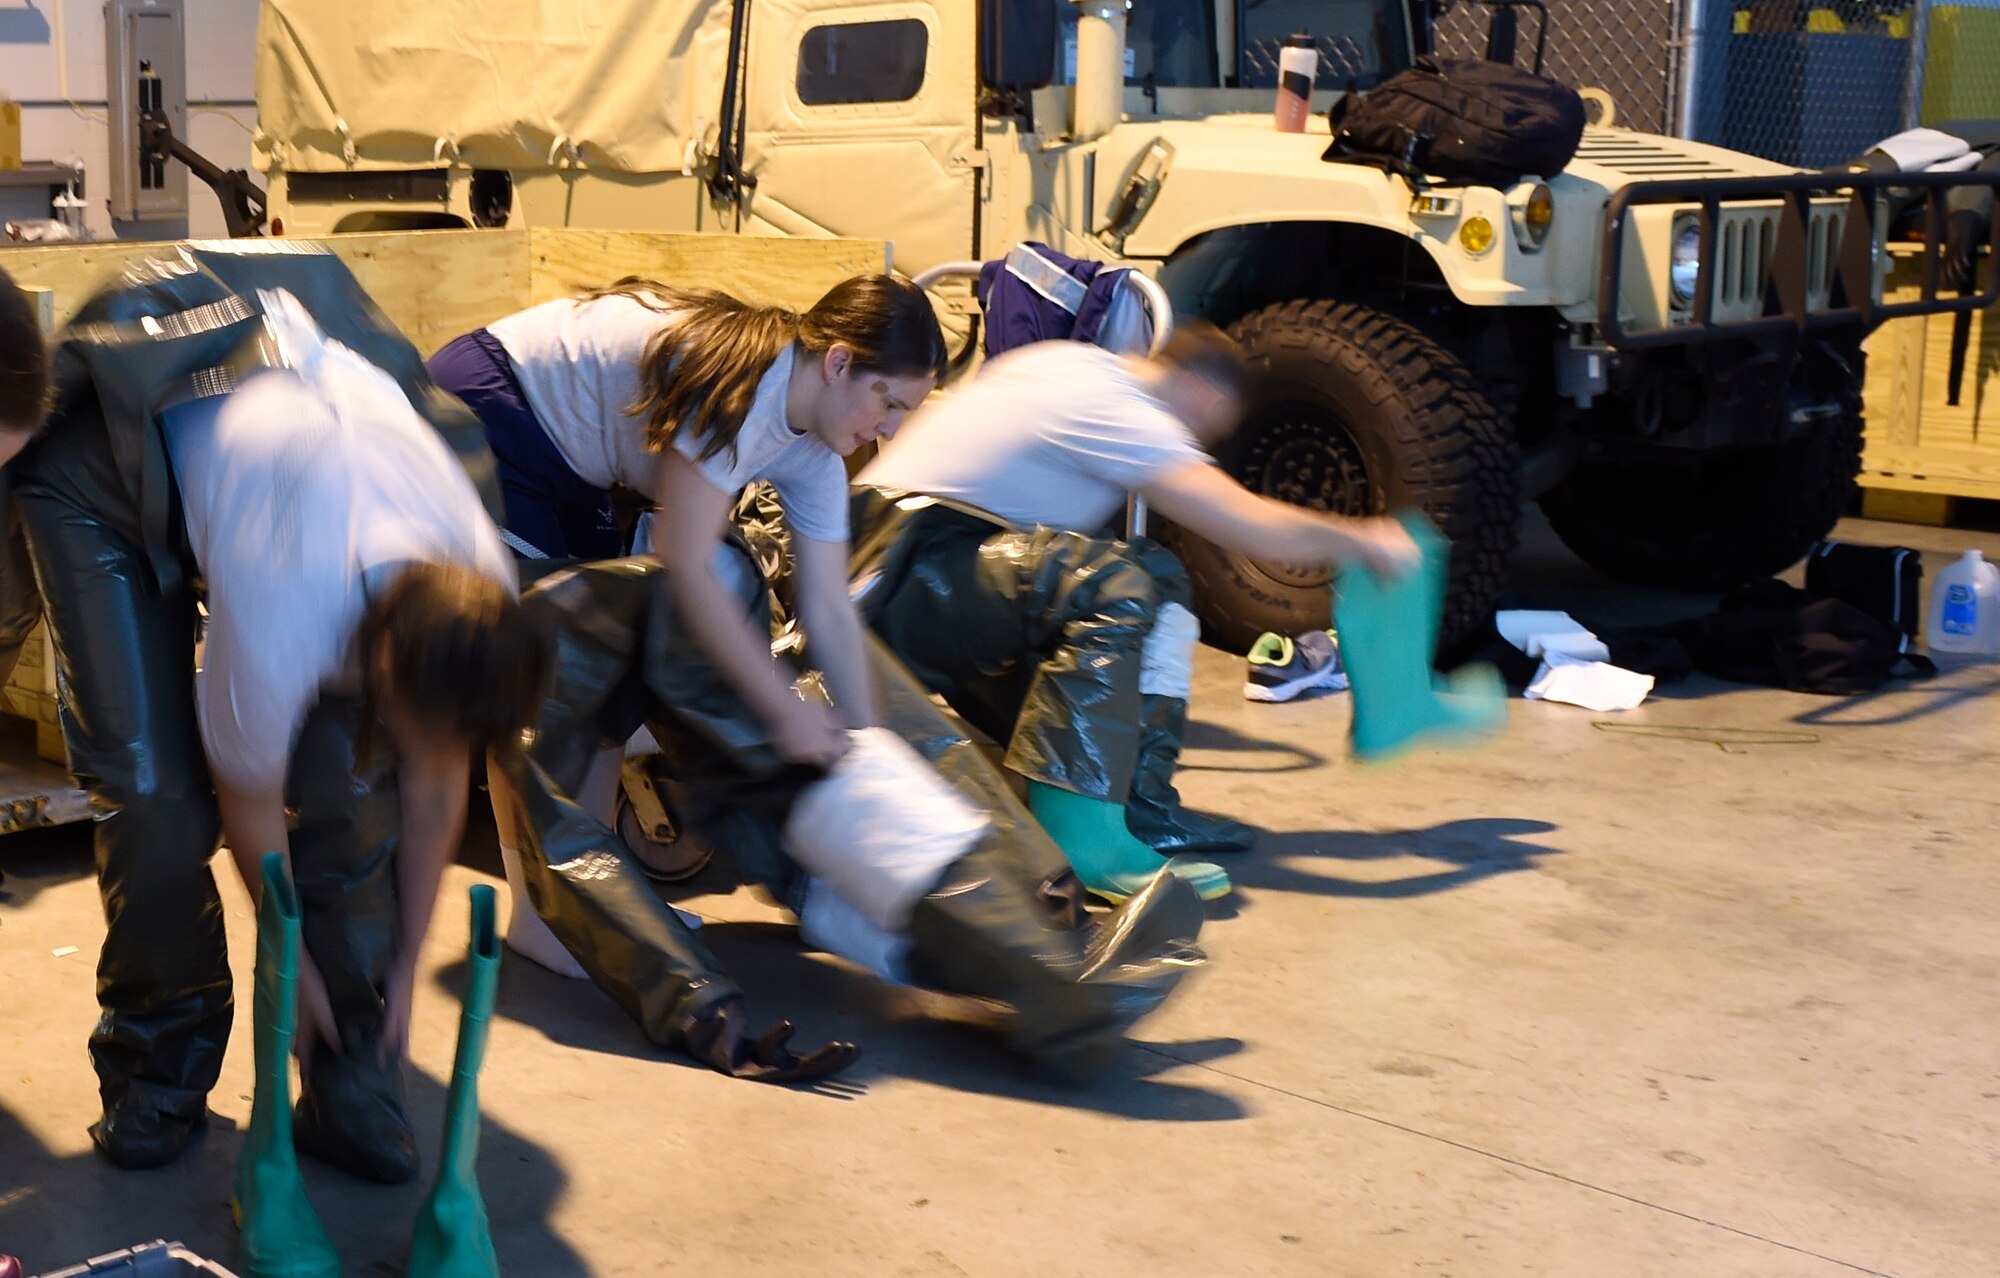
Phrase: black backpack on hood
(1460, 121)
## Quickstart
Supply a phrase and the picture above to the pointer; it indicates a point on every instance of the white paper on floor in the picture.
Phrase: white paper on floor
(1540, 634)
(1594, 685)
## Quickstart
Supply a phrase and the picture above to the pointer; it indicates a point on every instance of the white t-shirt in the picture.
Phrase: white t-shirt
(577, 361)
(1054, 433)
(304, 492)
(578, 364)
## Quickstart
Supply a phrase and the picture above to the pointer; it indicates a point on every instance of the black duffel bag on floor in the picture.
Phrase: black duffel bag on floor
(1460, 121)
(1780, 636)
(1886, 582)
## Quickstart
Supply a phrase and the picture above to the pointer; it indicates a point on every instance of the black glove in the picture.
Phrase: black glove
(1963, 231)
(720, 1039)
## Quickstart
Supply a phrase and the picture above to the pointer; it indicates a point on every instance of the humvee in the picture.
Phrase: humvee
(1662, 344)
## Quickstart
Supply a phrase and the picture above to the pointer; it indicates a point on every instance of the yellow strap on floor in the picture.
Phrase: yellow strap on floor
(1727, 740)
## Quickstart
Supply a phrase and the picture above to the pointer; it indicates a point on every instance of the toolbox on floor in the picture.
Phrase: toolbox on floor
(156, 1259)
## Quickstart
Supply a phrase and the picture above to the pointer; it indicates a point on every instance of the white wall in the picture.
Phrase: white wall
(52, 49)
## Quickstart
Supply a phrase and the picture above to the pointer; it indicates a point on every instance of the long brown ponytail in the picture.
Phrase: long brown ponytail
(701, 372)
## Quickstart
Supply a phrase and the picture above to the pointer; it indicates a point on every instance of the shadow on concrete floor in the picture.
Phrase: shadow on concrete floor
(904, 1033)
(1475, 848)
(1209, 735)
(53, 1207)
(1900, 701)
(33, 861)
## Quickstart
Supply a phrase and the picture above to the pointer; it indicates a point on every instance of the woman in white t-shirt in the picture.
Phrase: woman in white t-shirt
(363, 645)
(688, 396)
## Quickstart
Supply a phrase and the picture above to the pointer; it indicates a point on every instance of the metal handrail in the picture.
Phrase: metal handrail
(1158, 306)
(947, 271)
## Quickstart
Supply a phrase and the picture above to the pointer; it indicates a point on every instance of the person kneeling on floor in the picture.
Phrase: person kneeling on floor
(980, 564)
(961, 893)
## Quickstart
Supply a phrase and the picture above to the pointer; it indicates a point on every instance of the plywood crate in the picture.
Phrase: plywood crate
(31, 693)
(1917, 441)
(436, 285)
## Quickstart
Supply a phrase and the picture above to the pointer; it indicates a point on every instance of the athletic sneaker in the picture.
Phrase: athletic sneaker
(1282, 667)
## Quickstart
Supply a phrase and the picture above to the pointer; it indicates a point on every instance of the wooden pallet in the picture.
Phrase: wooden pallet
(1919, 443)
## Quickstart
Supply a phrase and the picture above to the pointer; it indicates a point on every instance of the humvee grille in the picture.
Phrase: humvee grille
(1747, 239)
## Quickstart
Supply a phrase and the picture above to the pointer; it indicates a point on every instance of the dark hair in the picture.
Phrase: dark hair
(701, 372)
(1199, 347)
(462, 653)
(24, 365)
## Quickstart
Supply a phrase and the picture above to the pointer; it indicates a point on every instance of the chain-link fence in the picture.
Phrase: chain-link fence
(1624, 47)
(1805, 82)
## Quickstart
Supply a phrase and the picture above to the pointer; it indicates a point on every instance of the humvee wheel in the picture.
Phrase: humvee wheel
(1717, 522)
(1357, 413)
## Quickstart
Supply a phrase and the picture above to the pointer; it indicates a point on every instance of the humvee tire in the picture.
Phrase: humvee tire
(1358, 413)
(1718, 521)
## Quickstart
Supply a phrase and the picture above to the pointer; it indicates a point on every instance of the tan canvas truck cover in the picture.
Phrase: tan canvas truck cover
(510, 84)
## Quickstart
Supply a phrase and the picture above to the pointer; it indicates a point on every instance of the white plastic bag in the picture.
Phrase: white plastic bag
(882, 827)
(827, 922)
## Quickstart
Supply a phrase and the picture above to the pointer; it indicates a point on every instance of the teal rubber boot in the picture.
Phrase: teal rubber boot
(1105, 854)
(452, 1239)
(281, 1237)
(1388, 637)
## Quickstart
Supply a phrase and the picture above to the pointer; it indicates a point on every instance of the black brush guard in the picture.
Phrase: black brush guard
(1787, 314)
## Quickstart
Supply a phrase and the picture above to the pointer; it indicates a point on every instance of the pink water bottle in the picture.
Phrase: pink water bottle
(1298, 66)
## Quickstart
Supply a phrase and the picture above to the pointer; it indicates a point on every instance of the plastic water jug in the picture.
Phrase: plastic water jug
(1965, 608)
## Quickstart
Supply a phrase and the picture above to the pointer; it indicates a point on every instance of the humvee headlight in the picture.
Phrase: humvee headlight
(1534, 212)
(1685, 267)
(1475, 235)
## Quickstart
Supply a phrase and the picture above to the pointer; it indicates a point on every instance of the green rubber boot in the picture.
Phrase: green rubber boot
(452, 1239)
(1388, 638)
(281, 1237)
(1105, 854)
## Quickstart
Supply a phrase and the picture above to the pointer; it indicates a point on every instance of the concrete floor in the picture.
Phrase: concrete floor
(1581, 1002)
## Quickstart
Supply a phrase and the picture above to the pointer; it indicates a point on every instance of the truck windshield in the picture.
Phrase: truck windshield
(1360, 42)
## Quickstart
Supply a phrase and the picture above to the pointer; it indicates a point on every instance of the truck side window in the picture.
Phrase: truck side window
(1361, 42)
(845, 63)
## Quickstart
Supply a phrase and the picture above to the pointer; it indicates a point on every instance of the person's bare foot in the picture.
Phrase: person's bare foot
(527, 935)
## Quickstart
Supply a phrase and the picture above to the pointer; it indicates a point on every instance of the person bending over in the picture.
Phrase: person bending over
(1001, 588)
(363, 640)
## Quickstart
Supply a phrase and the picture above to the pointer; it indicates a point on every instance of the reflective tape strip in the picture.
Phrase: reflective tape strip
(1046, 277)
(521, 547)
